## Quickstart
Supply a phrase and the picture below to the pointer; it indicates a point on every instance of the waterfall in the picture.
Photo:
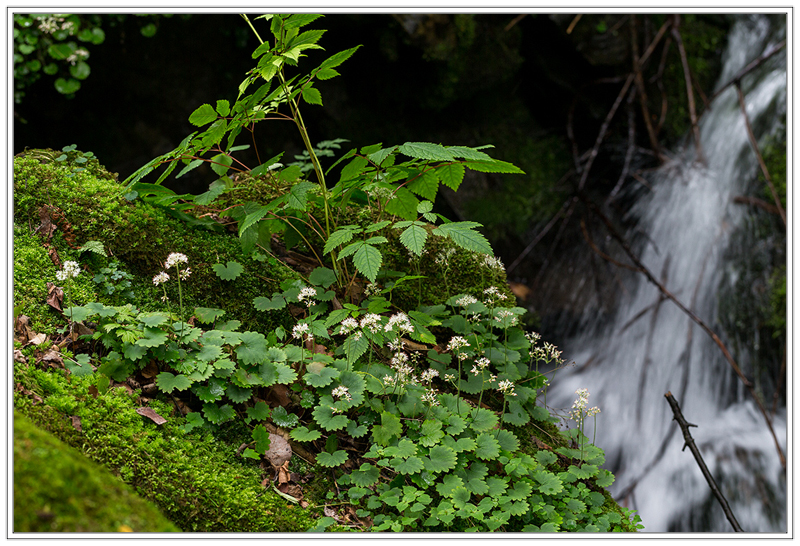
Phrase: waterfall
(649, 346)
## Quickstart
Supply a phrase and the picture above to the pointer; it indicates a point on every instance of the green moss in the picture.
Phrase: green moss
(56, 489)
(195, 479)
(140, 236)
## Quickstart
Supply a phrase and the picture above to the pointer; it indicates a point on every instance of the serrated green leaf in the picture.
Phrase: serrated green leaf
(326, 74)
(209, 352)
(335, 60)
(585, 471)
(303, 434)
(253, 349)
(605, 478)
(412, 465)
(545, 458)
(426, 150)
(152, 319)
(223, 107)
(252, 218)
(207, 315)
(487, 447)
(440, 459)
(388, 428)
(403, 204)
(365, 476)
(516, 414)
(413, 238)
(379, 156)
(483, 419)
(203, 115)
(326, 418)
(494, 166)
(332, 460)
(464, 235)
(283, 418)
(312, 95)
(93, 246)
(324, 377)
(468, 153)
(549, 483)
(322, 276)
(339, 237)
(259, 412)
(261, 437)
(355, 430)
(168, 382)
(153, 337)
(367, 260)
(238, 394)
(508, 441)
(286, 375)
(425, 185)
(263, 303)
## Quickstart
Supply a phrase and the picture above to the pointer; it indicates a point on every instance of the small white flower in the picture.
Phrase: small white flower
(506, 387)
(307, 293)
(300, 329)
(160, 278)
(457, 342)
(341, 392)
(401, 321)
(430, 398)
(465, 301)
(185, 274)
(429, 374)
(348, 325)
(493, 263)
(174, 259)
(371, 322)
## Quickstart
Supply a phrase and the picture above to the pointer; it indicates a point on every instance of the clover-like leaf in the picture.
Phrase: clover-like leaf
(365, 476)
(321, 378)
(253, 349)
(207, 315)
(218, 415)
(259, 412)
(238, 394)
(508, 441)
(229, 272)
(388, 428)
(487, 447)
(440, 459)
(412, 465)
(605, 478)
(545, 458)
(483, 420)
(283, 418)
(404, 449)
(304, 434)
(168, 382)
(549, 483)
(326, 418)
(332, 460)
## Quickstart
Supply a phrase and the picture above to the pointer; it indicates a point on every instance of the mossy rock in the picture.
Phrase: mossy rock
(56, 489)
(195, 478)
(139, 235)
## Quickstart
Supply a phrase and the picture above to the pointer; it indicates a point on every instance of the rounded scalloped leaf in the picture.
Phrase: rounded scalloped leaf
(168, 382)
(229, 272)
(487, 447)
(332, 460)
(440, 459)
(303, 434)
(483, 420)
(412, 465)
(320, 377)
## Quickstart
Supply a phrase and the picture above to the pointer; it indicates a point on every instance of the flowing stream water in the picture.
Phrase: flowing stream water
(629, 362)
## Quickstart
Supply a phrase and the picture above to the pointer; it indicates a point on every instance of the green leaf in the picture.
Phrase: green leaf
(209, 353)
(259, 412)
(403, 204)
(451, 175)
(335, 60)
(365, 476)
(379, 156)
(67, 86)
(425, 185)
(339, 237)
(367, 260)
(93, 246)
(253, 349)
(549, 483)
(229, 273)
(203, 115)
(585, 471)
(322, 378)
(322, 276)
(440, 459)
(516, 414)
(605, 478)
(223, 107)
(464, 235)
(312, 95)
(152, 319)
(462, 444)
(252, 218)
(153, 337)
(80, 366)
(298, 20)
(283, 418)
(80, 70)
(412, 465)
(483, 420)
(468, 153)
(325, 416)
(327, 74)
(494, 166)
(261, 436)
(487, 447)
(207, 315)
(404, 449)
(508, 441)
(220, 164)
(77, 314)
(263, 303)
(413, 238)
(303, 434)
(297, 198)
(426, 150)
(355, 430)
(238, 394)
(332, 460)
(545, 458)
(460, 496)
(389, 427)
(168, 382)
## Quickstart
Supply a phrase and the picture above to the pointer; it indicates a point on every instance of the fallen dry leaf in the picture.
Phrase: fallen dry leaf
(22, 328)
(54, 257)
(283, 474)
(38, 339)
(93, 391)
(151, 370)
(150, 414)
(278, 395)
(55, 297)
(279, 451)
(19, 357)
(76, 423)
(52, 356)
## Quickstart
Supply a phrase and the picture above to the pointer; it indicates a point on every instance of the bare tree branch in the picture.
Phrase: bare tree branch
(676, 410)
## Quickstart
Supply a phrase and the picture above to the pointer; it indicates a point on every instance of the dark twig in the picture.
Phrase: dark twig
(747, 383)
(749, 68)
(639, 79)
(676, 410)
(756, 202)
(687, 75)
(758, 153)
(629, 153)
(537, 238)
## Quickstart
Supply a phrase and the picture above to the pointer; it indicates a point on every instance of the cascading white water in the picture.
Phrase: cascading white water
(631, 362)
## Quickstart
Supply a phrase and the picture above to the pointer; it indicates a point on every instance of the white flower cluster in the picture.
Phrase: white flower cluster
(308, 294)
(480, 365)
(401, 322)
(506, 387)
(493, 263)
(502, 316)
(456, 343)
(175, 258)
(465, 301)
(71, 269)
(579, 406)
(443, 258)
(348, 325)
(302, 329)
(371, 322)
(79, 55)
(341, 392)
(160, 278)
(547, 352)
